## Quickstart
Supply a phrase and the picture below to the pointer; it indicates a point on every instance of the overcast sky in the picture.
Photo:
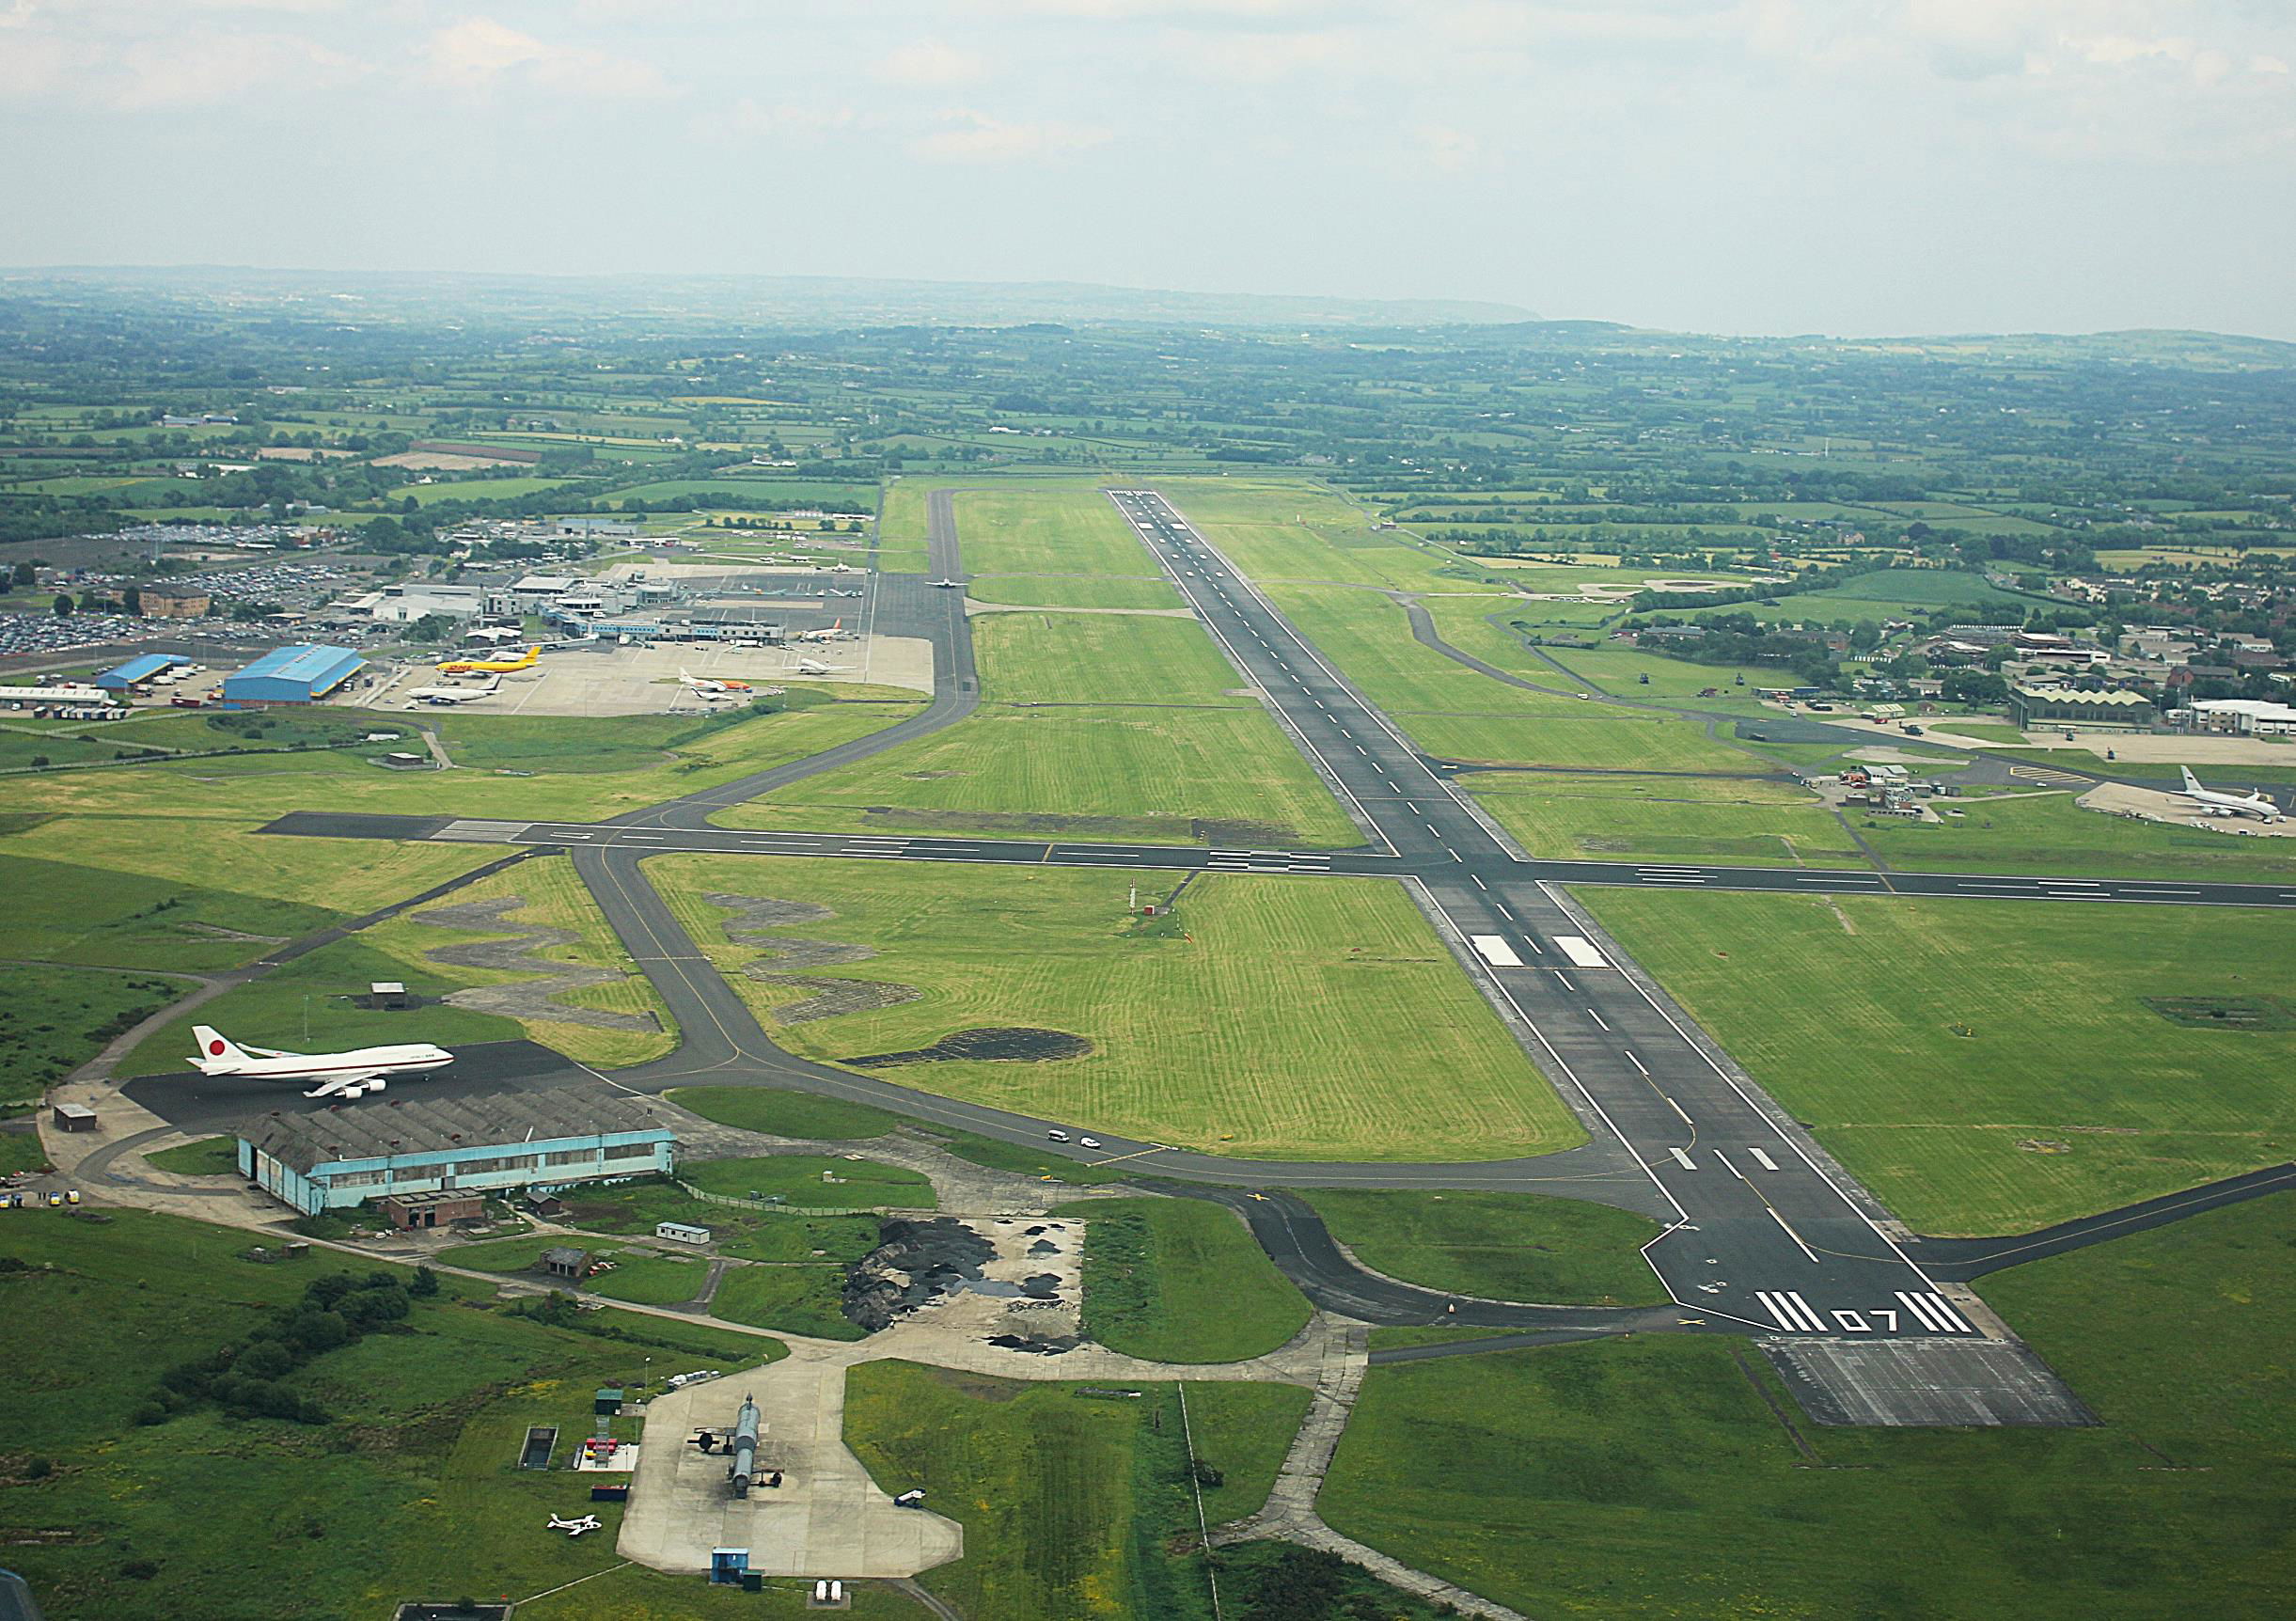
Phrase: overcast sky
(1855, 166)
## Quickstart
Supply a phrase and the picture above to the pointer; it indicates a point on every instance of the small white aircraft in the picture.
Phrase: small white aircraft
(339, 1074)
(573, 1527)
(443, 694)
(2217, 804)
(834, 633)
(814, 666)
(949, 585)
(704, 683)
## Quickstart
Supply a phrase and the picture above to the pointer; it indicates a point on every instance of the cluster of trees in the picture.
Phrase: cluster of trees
(1309, 1585)
(246, 1379)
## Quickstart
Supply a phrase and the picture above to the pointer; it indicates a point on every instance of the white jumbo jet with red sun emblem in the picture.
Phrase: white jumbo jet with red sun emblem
(338, 1074)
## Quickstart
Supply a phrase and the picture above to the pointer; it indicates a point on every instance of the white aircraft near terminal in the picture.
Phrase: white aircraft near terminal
(814, 666)
(703, 684)
(573, 1527)
(448, 694)
(2217, 804)
(339, 1074)
(833, 634)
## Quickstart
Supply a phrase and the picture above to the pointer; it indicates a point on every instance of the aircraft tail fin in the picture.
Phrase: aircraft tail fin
(2191, 783)
(214, 1046)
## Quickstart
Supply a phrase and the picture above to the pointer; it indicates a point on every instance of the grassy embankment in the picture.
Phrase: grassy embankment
(1497, 1246)
(1182, 1281)
(1072, 1506)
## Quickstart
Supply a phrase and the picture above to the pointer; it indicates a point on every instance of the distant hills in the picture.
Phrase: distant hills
(765, 300)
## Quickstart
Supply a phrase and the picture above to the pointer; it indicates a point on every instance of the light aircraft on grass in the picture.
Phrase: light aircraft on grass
(706, 684)
(2217, 804)
(343, 1075)
(491, 666)
(573, 1527)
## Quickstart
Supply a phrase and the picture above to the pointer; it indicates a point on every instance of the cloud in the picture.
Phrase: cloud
(930, 62)
(1448, 149)
(749, 116)
(971, 137)
(1262, 57)
(479, 53)
(206, 69)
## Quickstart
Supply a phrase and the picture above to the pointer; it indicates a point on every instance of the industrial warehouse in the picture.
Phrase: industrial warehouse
(541, 1140)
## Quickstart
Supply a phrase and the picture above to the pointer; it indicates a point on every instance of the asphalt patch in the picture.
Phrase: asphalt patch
(533, 997)
(915, 1260)
(1012, 1045)
(756, 916)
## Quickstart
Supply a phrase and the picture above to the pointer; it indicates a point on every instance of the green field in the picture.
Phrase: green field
(1990, 1066)
(1182, 1281)
(642, 1277)
(1101, 659)
(812, 1182)
(784, 1113)
(1150, 776)
(1654, 1477)
(2052, 834)
(53, 1019)
(1305, 1017)
(1072, 1507)
(1497, 1246)
(575, 768)
(1749, 823)
(1045, 528)
(209, 1157)
(1115, 591)
(1291, 530)
(207, 1516)
(304, 1001)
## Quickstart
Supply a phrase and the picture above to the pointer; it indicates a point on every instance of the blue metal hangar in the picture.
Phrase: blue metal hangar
(333, 1158)
(127, 677)
(302, 674)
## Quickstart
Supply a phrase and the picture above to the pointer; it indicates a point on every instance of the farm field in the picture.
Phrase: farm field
(1991, 1066)
(1653, 1476)
(222, 1513)
(1072, 1506)
(1183, 1281)
(1497, 1246)
(304, 1003)
(1261, 1018)
(1748, 821)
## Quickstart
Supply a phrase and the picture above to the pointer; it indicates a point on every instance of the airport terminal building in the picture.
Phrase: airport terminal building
(334, 1159)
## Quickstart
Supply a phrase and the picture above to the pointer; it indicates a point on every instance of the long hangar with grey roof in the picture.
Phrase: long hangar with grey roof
(333, 1158)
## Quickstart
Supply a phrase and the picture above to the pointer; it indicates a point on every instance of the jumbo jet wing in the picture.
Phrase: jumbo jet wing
(338, 1083)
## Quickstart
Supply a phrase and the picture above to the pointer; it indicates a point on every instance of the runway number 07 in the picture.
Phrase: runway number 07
(1855, 1322)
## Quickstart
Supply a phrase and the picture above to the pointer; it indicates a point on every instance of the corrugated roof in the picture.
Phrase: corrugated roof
(301, 662)
(383, 1126)
(142, 669)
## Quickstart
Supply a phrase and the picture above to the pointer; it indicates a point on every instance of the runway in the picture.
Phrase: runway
(1763, 1233)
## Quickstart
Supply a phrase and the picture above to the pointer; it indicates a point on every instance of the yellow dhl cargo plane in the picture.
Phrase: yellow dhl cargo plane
(490, 666)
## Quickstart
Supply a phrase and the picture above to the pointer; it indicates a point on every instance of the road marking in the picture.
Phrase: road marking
(1777, 1312)
(1764, 1160)
(1596, 1017)
(1581, 951)
(1924, 1312)
(1799, 1244)
(1637, 1064)
(1683, 1159)
(1479, 883)
(1495, 951)
(1727, 1166)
